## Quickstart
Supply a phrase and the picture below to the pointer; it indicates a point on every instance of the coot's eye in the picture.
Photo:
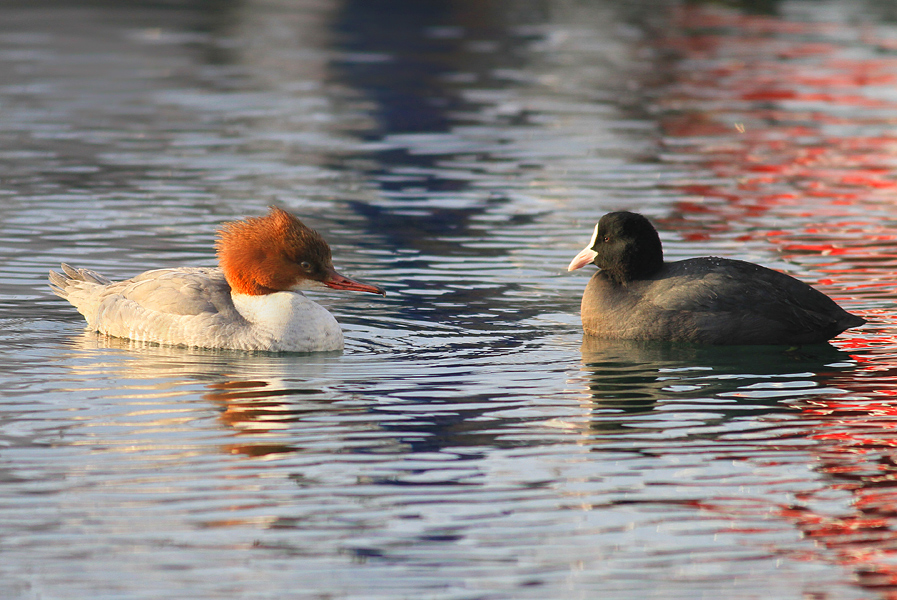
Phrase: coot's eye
(606, 239)
(305, 265)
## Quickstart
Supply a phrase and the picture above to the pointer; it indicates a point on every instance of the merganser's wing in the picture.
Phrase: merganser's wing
(162, 305)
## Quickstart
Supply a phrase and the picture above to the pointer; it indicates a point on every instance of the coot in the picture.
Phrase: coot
(710, 300)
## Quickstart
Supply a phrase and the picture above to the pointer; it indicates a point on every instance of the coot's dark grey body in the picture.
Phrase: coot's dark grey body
(638, 296)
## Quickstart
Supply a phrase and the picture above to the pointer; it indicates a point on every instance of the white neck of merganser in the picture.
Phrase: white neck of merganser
(293, 322)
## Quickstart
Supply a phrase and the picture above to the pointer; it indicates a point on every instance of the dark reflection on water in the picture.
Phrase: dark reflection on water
(412, 60)
(392, 59)
(633, 378)
(764, 362)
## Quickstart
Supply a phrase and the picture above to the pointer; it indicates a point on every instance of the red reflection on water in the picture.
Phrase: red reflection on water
(790, 129)
(858, 454)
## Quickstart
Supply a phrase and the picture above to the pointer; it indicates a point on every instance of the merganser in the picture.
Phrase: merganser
(710, 300)
(252, 302)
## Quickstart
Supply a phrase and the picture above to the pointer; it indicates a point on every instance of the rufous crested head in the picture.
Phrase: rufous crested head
(278, 252)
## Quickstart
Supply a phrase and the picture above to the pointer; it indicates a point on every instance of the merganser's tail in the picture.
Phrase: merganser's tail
(72, 278)
(82, 287)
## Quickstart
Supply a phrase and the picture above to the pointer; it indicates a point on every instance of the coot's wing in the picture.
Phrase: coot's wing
(748, 291)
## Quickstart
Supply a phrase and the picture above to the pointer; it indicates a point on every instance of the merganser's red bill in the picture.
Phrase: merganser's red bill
(338, 282)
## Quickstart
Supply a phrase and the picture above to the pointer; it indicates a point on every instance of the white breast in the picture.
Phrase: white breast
(289, 321)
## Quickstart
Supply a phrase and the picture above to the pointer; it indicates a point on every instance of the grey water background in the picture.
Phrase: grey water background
(467, 444)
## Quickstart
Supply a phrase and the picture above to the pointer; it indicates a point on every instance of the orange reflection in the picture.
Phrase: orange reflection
(259, 413)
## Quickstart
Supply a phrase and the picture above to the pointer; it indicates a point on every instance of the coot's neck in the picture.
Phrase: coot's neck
(623, 277)
(642, 259)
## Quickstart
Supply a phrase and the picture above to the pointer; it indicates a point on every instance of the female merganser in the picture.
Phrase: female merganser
(252, 302)
(638, 296)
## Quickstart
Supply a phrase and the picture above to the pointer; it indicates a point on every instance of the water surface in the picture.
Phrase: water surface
(468, 444)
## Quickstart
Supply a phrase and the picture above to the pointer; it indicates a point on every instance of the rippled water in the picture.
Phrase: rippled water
(468, 443)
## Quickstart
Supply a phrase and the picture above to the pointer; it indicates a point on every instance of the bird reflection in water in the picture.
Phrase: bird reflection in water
(261, 396)
(635, 377)
(256, 408)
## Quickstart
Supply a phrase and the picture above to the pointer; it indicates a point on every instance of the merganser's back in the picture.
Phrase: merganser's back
(252, 302)
(710, 300)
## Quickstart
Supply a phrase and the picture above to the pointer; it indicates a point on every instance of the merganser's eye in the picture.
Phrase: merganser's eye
(305, 265)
